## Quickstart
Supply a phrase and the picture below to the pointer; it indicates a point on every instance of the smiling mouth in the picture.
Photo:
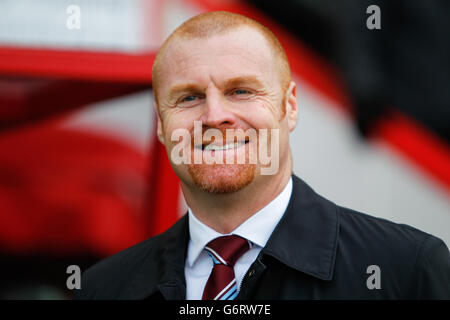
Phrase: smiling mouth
(219, 147)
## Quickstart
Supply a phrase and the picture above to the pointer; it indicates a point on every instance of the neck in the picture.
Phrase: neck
(225, 212)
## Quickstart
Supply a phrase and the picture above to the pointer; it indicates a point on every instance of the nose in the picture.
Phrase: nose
(217, 112)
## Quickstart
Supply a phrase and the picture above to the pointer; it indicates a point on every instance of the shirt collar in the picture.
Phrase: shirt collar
(258, 228)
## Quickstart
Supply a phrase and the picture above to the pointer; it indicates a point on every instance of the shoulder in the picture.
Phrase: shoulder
(363, 226)
(414, 264)
(417, 262)
(359, 227)
(111, 276)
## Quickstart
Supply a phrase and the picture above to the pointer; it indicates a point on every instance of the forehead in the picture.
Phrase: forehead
(240, 52)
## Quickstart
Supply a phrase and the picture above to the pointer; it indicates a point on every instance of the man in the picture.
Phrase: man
(249, 233)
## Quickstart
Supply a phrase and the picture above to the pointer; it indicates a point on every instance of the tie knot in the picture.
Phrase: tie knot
(227, 249)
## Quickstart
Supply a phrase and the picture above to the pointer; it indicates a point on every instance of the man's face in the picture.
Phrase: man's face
(228, 81)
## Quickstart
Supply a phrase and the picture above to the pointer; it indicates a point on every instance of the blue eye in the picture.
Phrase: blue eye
(189, 98)
(241, 91)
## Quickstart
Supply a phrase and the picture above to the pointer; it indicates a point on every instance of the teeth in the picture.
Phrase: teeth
(233, 145)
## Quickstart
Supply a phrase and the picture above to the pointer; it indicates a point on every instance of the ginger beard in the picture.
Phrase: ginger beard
(221, 178)
(226, 177)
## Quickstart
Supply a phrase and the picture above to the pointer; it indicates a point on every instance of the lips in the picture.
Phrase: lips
(213, 147)
(219, 147)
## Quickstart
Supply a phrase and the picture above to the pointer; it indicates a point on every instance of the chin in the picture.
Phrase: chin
(222, 178)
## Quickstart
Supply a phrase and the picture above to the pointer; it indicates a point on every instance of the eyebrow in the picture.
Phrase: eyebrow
(179, 89)
(244, 80)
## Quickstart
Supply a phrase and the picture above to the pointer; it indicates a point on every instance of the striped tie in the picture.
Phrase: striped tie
(224, 251)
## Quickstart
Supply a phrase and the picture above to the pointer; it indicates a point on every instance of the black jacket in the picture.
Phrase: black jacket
(317, 251)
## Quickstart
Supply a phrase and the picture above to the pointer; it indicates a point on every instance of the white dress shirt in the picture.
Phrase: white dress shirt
(257, 229)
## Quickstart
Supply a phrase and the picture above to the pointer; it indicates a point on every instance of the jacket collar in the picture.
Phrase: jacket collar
(306, 237)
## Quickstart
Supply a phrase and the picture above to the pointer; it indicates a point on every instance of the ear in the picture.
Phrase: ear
(159, 126)
(291, 106)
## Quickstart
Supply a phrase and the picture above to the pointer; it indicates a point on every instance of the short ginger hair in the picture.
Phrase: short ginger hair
(213, 23)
